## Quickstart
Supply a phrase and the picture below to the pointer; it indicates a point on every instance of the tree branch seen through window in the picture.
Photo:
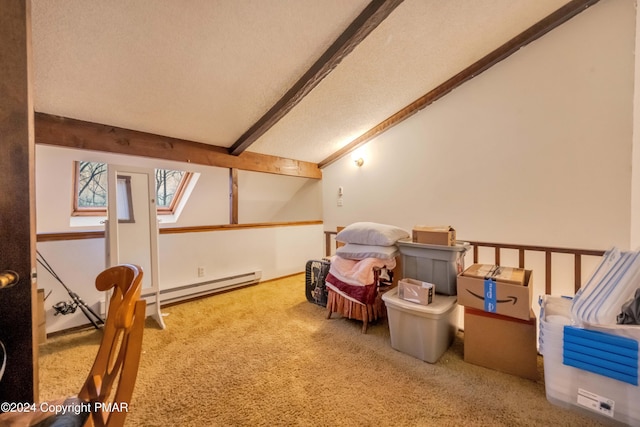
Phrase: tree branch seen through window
(90, 189)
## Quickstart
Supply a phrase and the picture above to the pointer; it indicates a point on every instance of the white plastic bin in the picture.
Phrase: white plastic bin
(422, 331)
(601, 397)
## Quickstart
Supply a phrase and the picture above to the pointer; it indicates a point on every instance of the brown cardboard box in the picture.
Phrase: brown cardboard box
(496, 272)
(504, 298)
(501, 343)
(415, 291)
(441, 235)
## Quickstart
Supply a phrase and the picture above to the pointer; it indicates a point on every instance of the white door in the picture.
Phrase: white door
(132, 228)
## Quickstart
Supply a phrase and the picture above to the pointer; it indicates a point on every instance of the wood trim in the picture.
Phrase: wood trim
(577, 275)
(71, 133)
(18, 319)
(78, 235)
(357, 31)
(177, 197)
(521, 256)
(534, 32)
(81, 235)
(223, 227)
(233, 196)
(327, 242)
(590, 252)
(547, 272)
(548, 251)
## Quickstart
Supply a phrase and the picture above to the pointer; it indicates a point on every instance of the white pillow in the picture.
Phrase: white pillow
(371, 233)
(358, 252)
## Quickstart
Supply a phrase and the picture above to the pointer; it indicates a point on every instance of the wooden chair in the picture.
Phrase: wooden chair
(107, 391)
(350, 309)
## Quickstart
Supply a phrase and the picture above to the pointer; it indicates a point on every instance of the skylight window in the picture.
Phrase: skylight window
(90, 189)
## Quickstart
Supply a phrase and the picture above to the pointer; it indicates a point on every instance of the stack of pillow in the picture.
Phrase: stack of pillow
(369, 240)
(366, 258)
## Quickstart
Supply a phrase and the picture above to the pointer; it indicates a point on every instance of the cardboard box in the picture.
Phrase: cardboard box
(441, 235)
(492, 296)
(497, 273)
(415, 291)
(501, 343)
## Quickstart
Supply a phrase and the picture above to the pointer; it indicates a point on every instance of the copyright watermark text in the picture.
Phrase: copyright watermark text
(75, 407)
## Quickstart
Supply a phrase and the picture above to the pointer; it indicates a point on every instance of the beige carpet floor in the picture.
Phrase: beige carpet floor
(264, 356)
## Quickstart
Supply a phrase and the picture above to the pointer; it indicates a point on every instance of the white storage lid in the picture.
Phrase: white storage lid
(442, 304)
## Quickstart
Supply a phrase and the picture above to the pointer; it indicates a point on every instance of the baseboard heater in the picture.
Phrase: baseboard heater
(209, 287)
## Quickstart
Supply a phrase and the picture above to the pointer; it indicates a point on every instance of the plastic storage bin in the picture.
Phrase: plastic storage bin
(599, 396)
(422, 331)
(435, 264)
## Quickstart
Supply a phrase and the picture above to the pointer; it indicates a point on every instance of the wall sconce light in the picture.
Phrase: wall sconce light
(357, 158)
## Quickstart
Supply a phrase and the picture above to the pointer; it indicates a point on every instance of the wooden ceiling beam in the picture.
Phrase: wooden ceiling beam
(534, 32)
(71, 133)
(376, 12)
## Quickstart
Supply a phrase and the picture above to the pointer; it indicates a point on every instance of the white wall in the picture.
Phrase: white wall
(277, 198)
(536, 150)
(276, 252)
(635, 182)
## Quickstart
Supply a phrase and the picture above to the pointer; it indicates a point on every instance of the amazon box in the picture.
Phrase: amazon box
(498, 273)
(501, 343)
(442, 235)
(494, 295)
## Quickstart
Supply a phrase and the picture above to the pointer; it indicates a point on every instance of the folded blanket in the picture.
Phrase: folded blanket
(358, 273)
(356, 279)
(358, 293)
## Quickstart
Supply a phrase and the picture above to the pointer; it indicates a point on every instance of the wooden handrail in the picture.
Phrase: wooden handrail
(327, 241)
(548, 251)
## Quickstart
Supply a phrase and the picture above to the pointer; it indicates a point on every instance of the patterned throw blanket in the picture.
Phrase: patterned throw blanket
(356, 280)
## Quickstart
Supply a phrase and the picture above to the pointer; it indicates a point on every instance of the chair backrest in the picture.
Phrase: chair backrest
(339, 229)
(110, 383)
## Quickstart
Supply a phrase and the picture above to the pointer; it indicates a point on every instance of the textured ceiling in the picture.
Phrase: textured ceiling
(207, 70)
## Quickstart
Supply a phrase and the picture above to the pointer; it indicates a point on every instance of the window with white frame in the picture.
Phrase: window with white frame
(90, 189)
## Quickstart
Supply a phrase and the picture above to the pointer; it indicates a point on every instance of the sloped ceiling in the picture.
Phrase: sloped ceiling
(207, 70)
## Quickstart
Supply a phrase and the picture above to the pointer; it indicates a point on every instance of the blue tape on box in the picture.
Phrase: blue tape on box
(490, 302)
